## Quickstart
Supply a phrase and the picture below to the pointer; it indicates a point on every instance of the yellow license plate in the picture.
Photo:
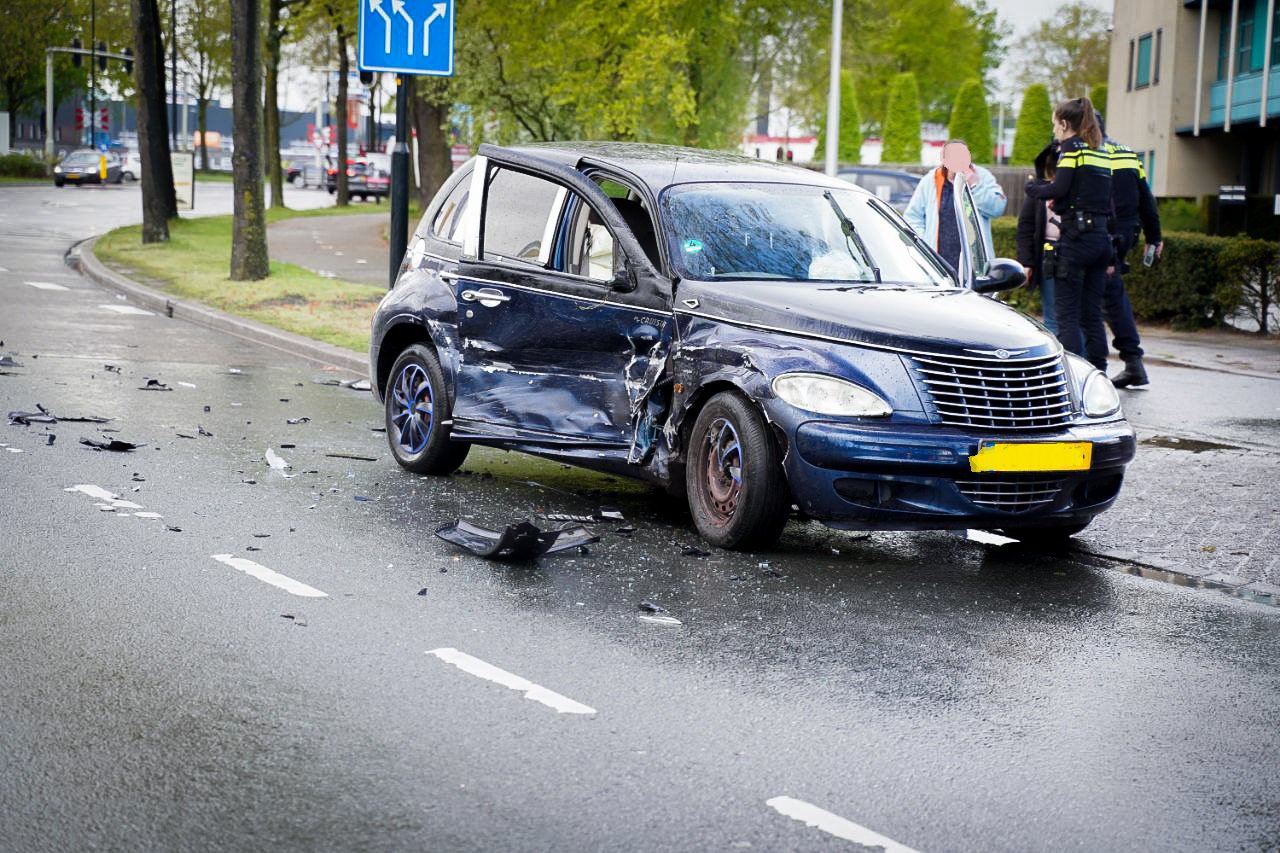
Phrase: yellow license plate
(1032, 456)
(73, 174)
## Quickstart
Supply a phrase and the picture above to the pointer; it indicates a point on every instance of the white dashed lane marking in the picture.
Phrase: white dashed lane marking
(833, 824)
(262, 573)
(489, 672)
(45, 285)
(127, 309)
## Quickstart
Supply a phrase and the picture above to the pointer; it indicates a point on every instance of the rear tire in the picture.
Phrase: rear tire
(737, 491)
(416, 401)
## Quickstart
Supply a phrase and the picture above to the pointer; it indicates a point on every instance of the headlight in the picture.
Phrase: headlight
(827, 395)
(57, 170)
(1097, 394)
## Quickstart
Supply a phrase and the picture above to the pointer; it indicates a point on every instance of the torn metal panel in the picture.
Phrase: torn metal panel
(523, 541)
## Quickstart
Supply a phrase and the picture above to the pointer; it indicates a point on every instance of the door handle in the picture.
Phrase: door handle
(486, 296)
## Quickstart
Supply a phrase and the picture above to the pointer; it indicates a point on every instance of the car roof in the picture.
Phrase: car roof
(876, 170)
(662, 166)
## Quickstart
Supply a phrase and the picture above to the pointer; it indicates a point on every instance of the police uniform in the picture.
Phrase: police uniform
(1081, 192)
(1136, 212)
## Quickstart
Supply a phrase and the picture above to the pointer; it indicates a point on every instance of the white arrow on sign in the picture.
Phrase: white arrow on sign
(397, 7)
(376, 6)
(438, 11)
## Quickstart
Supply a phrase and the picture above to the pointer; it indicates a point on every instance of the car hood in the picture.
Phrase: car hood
(911, 318)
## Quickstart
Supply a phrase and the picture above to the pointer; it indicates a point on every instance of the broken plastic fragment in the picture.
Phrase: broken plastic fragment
(652, 607)
(7, 361)
(115, 445)
(661, 620)
(694, 551)
(522, 541)
(609, 513)
(111, 368)
(355, 456)
(202, 431)
(295, 421)
(568, 517)
(29, 418)
(275, 461)
(154, 385)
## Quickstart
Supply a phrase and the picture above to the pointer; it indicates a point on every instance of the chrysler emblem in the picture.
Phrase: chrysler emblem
(998, 353)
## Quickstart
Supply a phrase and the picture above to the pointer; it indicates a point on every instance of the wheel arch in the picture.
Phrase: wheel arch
(397, 339)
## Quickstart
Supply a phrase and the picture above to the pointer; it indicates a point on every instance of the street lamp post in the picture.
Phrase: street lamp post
(833, 90)
(173, 74)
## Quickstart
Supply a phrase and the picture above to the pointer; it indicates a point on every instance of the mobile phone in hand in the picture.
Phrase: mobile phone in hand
(1149, 256)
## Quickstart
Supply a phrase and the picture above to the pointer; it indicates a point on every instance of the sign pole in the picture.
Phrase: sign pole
(399, 236)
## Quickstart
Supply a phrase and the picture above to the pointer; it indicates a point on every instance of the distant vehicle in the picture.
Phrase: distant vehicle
(131, 166)
(83, 167)
(364, 180)
(748, 335)
(293, 172)
(889, 185)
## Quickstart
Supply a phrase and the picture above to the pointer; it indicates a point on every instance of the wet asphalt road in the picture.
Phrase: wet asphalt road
(946, 694)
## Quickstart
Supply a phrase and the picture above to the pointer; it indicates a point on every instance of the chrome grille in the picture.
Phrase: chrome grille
(1006, 394)
(1011, 494)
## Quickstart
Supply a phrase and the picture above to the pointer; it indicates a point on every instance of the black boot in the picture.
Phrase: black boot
(1134, 373)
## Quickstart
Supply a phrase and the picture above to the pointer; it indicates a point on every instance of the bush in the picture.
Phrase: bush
(902, 121)
(971, 121)
(18, 165)
(1250, 278)
(849, 147)
(1179, 214)
(1035, 126)
(1098, 94)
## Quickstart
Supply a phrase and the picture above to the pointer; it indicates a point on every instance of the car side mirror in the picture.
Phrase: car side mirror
(1003, 274)
(624, 280)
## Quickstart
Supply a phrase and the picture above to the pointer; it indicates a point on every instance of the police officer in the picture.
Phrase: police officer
(1081, 194)
(1136, 211)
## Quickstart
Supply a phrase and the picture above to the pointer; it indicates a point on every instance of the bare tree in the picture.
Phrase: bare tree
(159, 203)
(248, 222)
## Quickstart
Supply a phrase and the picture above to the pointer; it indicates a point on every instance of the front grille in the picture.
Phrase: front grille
(1003, 394)
(1011, 494)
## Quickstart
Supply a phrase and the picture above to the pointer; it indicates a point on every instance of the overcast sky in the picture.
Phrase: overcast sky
(1024, 15)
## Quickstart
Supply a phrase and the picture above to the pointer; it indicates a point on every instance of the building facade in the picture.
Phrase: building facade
(1194, 87)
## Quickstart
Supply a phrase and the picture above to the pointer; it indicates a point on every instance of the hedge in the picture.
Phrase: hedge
(18, 165)
(1198, 281)
(902, 121)
(971, 121)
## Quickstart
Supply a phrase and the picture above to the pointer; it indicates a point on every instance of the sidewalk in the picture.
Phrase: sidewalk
(350, 248)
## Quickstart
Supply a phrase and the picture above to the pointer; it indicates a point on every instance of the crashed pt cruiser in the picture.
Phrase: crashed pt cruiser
(750, 335)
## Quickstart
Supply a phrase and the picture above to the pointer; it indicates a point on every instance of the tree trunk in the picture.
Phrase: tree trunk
(271, 115)
(202, 125)
(344, 66)
(429, 112)
(248, 222)
(159, 204)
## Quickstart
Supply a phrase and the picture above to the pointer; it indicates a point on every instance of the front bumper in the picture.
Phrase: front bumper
(917, 477)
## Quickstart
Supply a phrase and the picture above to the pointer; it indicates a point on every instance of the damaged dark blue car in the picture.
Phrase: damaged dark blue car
(750, 335)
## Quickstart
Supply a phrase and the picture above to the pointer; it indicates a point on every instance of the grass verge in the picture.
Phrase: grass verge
(194, 265)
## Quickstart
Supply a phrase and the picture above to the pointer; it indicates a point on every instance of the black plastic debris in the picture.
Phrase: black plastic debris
(262, 536)
(773, 573)
(625, 530)
(83, 419)
(363, 498)
(184, 435)
(115, 445)
(288, 446)
(354, 456)
(208, 409)
(173, 529)
(29, 418)
(7, 361)
(422, 591)
(253, 548)
(295, 421)
(111, 368)
(694, 551)
(378, 429)
(523, 541)
(652, 607)
(154, 385)
(202, 431)
(327, 381)
(52, 439)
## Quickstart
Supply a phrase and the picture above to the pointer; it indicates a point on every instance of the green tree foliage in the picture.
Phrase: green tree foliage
(902, 121)
(1098, 94)
(1068, 52)
(971, 121)
(849, 146)
(1035, 126)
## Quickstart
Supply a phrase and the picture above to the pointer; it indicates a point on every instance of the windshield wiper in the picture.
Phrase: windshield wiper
(851, 234)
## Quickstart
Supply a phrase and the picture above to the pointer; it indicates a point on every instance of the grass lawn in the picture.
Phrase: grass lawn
(9, 179)
(212, 177)
(194, 265)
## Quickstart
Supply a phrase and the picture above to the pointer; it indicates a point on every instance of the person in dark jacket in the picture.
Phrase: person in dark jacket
(1136, 212)
(1081, 195)
(1039, 228)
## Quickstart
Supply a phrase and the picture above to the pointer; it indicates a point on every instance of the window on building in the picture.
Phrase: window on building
(1142, 74)
(1128, 80)
(1155, 70)
(1244, 40)
(1151, 168)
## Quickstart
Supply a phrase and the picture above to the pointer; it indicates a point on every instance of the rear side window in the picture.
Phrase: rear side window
(520, 216)
(449, 217)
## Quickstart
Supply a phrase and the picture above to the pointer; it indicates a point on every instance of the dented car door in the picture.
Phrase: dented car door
(556, 343)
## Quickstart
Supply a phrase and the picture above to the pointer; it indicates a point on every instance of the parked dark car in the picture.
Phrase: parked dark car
(888, 185)
(84, 167)
(364, 180)
(750, 335)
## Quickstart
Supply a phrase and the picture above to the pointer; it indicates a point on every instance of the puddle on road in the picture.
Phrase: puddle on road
(1177, 579)
(1271, 425)
(1194, 445)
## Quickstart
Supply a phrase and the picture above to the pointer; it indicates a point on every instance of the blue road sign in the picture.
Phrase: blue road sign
(406, 36)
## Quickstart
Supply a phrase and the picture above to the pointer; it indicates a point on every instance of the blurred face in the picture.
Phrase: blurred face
(956, 157)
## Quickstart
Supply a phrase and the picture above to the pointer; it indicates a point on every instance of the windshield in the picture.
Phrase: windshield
(81, 158)
(794, 232)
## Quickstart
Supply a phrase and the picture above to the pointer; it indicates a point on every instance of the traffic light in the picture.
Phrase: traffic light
(75, 57)
(104, 119)
(102, 59)
(366, 77)
(128, 63)
(79, 118)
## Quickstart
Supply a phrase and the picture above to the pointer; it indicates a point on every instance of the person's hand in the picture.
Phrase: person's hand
(1159, 248)
(1111, 270)
(971, 175)
(1026, 271)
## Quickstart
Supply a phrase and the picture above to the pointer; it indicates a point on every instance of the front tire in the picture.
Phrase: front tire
(737, 491)
(416, 401)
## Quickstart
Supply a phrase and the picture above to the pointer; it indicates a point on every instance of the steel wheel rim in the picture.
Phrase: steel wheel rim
(413, 409)
(722, 470)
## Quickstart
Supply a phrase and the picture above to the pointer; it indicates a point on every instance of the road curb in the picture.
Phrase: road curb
(86, 262)
(1259, 592)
